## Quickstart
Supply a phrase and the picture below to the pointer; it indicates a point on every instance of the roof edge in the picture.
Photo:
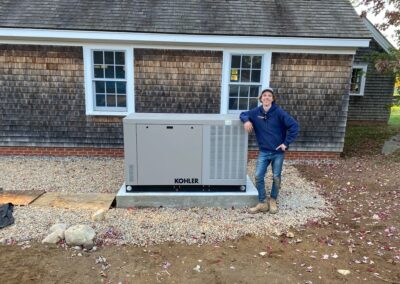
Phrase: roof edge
(377, 35)
(160, 38)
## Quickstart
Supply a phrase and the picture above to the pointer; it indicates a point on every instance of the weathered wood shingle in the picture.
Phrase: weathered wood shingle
(178, 81)
(300, 18)
(43, 100)
(378, 92)
(314, 89)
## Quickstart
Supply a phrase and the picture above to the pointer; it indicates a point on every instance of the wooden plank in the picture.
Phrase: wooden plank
(20, 197)
(93, 201)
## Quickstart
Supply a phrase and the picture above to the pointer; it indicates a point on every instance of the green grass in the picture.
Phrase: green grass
(394, 119)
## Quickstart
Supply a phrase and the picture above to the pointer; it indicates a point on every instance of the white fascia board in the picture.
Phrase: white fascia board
(378, 36)
(181, 39)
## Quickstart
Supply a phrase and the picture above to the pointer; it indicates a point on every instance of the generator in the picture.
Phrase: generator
(184, 152)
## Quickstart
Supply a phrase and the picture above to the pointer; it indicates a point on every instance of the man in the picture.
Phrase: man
(275, 129)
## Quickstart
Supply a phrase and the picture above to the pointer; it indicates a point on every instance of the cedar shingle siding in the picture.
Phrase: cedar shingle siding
(378, 92)
(177, 81)
(43, 100)
(314, 90)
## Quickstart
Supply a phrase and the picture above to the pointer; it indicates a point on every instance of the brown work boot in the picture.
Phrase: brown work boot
(273, 208)
(260, 207)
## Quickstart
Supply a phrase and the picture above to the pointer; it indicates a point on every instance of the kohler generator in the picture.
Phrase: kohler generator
(184, 152)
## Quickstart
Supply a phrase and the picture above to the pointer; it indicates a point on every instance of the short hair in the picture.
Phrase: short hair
(267, 90)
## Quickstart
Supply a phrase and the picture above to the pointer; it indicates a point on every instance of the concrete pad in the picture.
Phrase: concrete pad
(20, 197)
(188, 199)
(93, 201)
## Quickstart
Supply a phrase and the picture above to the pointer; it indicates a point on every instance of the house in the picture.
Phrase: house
(71, 70)
(371, 92)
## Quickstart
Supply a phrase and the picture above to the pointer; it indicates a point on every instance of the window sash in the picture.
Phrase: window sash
(108, 97)
(357, 80)
(236, 103)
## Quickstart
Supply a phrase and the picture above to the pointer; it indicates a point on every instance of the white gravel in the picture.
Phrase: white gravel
(299, 202)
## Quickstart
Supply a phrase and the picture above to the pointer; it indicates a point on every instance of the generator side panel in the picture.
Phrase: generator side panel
(130, 154)
(169, 154)
(225, 154)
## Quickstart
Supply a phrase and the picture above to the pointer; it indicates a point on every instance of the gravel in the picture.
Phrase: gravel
(299, 202)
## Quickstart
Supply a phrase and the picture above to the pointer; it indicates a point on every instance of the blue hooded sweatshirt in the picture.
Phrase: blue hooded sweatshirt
(272, 128)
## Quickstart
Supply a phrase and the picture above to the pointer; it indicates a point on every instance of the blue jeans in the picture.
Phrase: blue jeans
(263, 161)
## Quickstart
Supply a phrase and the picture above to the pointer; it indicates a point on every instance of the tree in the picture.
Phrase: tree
(390, 9)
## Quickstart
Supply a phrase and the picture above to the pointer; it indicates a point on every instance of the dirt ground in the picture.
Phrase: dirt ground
(363, 237)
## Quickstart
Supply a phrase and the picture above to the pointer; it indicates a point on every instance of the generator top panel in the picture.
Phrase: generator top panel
(180, 118)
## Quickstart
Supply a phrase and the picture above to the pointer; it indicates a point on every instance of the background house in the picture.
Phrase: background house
(371, 93)
(71, 70)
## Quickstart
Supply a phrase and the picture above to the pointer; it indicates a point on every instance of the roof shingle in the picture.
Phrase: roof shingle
(286, 18)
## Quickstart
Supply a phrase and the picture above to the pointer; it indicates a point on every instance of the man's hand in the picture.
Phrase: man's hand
(248, 126)
(282, 147)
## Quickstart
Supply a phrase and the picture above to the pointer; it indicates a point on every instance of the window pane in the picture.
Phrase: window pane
(99, 85)
(109, 57)
(120, 72)
(233, 91)
(121, 87)
(109, 71)
(235, 75)
(255, 76)
(356, 80)
(98, 57)
(110, 87)
(100, 100)
(235, 61)
(233, 104)
(243, 103)
(256, 62)
(121, 101)
(244, 91)
(254, 91)
(98, 71)
(253, 103)
(120, 58)
(246, 61)
(111, 101)
(245, 76)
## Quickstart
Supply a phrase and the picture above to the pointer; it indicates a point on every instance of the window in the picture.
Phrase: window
(357, 83)
(108, 81)
(245, 81)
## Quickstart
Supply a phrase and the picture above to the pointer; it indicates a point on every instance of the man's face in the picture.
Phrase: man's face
(267, 98)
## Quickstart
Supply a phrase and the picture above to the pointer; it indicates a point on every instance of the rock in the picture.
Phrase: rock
(289, 235)
(79, 235)
(54, 237)
(57, 227)
(197, 268)
(263, 253)
(99, 215)
(343, 271)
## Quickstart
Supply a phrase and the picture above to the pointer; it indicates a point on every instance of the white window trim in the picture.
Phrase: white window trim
(226, 67)
(364, 67)
(88, 77)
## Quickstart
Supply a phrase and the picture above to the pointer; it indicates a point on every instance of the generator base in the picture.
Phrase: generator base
(186, 188)
(238, 199)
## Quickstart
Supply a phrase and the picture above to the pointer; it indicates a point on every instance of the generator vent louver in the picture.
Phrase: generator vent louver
(227, 156)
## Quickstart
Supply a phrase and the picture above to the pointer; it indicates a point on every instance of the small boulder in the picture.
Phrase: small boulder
(58, 227)
(80, 235)
(54, 237)
(99, 215)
